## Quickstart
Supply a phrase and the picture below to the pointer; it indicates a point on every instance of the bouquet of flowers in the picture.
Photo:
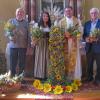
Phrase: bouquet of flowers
(73, 30)
(36, 34)
(8, 83)
(8, 28)
(94, 34)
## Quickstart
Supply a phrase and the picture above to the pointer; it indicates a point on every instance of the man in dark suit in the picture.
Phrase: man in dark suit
(92, 46)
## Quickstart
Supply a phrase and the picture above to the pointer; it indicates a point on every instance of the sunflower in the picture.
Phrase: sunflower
(77, 82)
(40, 87)
(58, 77)
(68, 89)
(55, 30)
(47, 87)
(74, 87)
(58, 89)
(36, 83)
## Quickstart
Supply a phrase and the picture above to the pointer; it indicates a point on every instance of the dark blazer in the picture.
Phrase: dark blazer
(95, 46)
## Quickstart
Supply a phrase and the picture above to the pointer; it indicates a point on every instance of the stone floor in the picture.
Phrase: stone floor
(89, 95)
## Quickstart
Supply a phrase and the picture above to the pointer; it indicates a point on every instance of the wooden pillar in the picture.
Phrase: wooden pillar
(33, 9)
(27, 8)
(75, 8)
(71, 3)
(29, 66)
(79, 9)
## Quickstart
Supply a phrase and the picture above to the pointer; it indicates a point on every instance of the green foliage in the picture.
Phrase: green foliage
(96, 32)
(73, 30)
(36, 32)
(9, 28)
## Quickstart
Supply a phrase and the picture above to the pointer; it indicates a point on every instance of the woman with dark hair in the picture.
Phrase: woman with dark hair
(43, 19)
(41, 51)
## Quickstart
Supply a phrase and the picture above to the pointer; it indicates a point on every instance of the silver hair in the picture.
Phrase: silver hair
(19, 9)
(94, 10)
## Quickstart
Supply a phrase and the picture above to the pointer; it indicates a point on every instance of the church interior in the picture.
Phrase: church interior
(33, 9)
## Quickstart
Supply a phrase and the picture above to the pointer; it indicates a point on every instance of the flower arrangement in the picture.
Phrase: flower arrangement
(56, 66)
(36, 34)
(55, 29)
(94, 34)
(8, 83)
(47, 87)
(55, 34)
(9, 28)
(57, 82)
(73, 30)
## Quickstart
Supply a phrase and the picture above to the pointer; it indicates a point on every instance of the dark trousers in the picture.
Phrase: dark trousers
(91, 57)
(17, 58)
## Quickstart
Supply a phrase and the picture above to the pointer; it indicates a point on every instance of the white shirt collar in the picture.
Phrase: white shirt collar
(69, 22)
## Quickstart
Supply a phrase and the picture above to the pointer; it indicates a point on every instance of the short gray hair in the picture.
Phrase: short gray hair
(21, 9)
(94, 10)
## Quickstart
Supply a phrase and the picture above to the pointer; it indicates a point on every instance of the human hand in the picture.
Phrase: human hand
(34, 41)
(67, 35)
(12, 38)
(15, 30)
(87, 39)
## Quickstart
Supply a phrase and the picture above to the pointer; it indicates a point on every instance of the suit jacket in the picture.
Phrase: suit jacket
(95, 46)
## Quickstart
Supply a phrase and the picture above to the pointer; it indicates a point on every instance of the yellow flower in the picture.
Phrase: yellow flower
(40, 87)
(36, 32)
(47, 87)
(50, 41)
(51, 57)
(56, 70)
(9, 26)
(78, 34)
(58, 89)
(55, 64)
(68, 89)
(77, 82)
(74, 87)
(58, 77)
(36, 83)
(55, 29)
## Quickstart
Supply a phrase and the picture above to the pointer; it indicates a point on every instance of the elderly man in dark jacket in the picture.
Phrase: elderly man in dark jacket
(92, 45)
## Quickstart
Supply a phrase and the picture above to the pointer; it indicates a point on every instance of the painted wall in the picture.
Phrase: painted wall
(88, 5)
(7, 10)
